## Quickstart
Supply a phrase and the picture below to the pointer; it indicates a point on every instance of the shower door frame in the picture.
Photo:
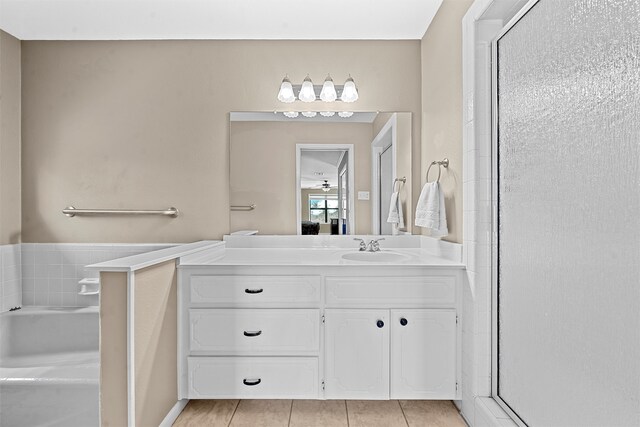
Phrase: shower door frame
(495, 223)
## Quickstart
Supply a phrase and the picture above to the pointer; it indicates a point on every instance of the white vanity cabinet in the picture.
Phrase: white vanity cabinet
(248, 335)
(397, 354)
(318, 332)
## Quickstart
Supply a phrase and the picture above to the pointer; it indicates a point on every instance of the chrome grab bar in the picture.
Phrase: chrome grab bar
(243, 207)
(71, 211)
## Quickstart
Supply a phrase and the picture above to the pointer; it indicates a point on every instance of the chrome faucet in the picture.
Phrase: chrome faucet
(372, 246)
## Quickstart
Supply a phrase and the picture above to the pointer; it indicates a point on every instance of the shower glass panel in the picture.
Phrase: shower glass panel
(568, 191)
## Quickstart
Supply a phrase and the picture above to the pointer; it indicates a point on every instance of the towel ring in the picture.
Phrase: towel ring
(403, 180)
(444, 162)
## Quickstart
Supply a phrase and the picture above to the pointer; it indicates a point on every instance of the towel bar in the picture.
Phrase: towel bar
(242, 207)
(71, 211)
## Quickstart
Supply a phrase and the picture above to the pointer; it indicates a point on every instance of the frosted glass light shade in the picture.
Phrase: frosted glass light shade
(307, 94)
(327, 113)
(291, 114)
(309, 114)
(345, 114)
(328, 92)
(349, 92)
(286, 91)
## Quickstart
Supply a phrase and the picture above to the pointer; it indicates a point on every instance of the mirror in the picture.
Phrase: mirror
(319, 175)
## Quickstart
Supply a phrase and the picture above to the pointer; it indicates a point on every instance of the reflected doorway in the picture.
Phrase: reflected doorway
(324, 193)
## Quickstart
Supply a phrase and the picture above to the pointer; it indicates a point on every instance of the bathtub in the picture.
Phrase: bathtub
(49, 367)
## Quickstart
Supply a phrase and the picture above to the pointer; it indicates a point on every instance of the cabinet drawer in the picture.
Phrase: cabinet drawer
(252, 377)
(390, 292)
(249, 290)
(254, 332)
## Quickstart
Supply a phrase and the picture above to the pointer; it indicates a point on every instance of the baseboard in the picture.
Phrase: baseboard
(489, 414)
(173, 414)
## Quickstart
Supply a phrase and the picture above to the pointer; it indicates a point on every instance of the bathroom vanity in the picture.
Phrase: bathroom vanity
(319, 323)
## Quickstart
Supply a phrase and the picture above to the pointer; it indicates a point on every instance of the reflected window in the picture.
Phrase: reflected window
(323, 208)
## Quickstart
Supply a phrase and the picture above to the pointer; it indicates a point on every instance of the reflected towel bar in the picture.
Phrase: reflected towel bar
(242, 207)
(71, 211)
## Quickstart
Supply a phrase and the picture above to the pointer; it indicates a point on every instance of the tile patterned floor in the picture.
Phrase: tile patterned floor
(320, 413)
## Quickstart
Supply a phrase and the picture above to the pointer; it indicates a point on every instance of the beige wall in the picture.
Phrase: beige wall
(441, 53)
(144, 124)
(113, 349)
(10, 203)
(263, 171)
(156, 340)
(156, 332)
(304, 207)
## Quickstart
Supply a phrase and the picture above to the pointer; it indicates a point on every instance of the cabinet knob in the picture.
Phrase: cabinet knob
(379, 323)
(252, 333)
(404, 321)
(251, 382)
(253, 291)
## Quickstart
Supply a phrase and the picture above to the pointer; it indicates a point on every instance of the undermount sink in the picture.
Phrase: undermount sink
(381, 256)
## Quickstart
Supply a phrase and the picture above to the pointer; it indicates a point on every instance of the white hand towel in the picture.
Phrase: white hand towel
(430, 212)
(396, 216)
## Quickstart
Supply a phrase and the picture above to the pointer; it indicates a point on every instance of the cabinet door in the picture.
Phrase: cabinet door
(423, 354)
(357, 354)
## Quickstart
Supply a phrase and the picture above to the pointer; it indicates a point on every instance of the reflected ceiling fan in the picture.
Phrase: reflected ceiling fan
(325, 186)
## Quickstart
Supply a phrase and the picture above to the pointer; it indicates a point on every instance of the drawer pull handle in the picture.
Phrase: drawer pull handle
(253, 291)
(252, 333)
(404, 321)
(379, 323)
(251, 382)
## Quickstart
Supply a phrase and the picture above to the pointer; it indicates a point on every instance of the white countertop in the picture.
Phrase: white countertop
(137, 262)
(310, 257)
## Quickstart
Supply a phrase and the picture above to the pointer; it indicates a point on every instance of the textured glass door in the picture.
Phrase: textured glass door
(568, 190)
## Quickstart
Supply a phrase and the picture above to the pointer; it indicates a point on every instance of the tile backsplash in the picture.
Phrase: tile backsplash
(10, 277)
(50, 272)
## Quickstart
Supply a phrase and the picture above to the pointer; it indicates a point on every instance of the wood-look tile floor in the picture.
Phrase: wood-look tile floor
(320, 413)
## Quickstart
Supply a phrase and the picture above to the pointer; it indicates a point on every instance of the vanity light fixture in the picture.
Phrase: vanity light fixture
(291, 114)
(286, 91)
(345, 114)
(327, 113)
(307, 93)
(328, 93)
(349, 92)
(309, 114)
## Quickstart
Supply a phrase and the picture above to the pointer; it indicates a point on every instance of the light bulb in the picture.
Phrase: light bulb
(291, 114)
(309, 114)
(286, 91)
(307, 94)
(345, 114)
(327, 113)
(328, 92)
(349, 91)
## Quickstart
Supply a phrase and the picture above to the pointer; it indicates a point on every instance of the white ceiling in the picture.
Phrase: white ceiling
(217, 19)
(313, 162)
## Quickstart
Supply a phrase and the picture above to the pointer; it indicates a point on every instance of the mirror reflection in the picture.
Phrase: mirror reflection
(320, 175)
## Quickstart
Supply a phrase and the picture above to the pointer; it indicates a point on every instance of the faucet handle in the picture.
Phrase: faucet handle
(363, 245)
(375, 246)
